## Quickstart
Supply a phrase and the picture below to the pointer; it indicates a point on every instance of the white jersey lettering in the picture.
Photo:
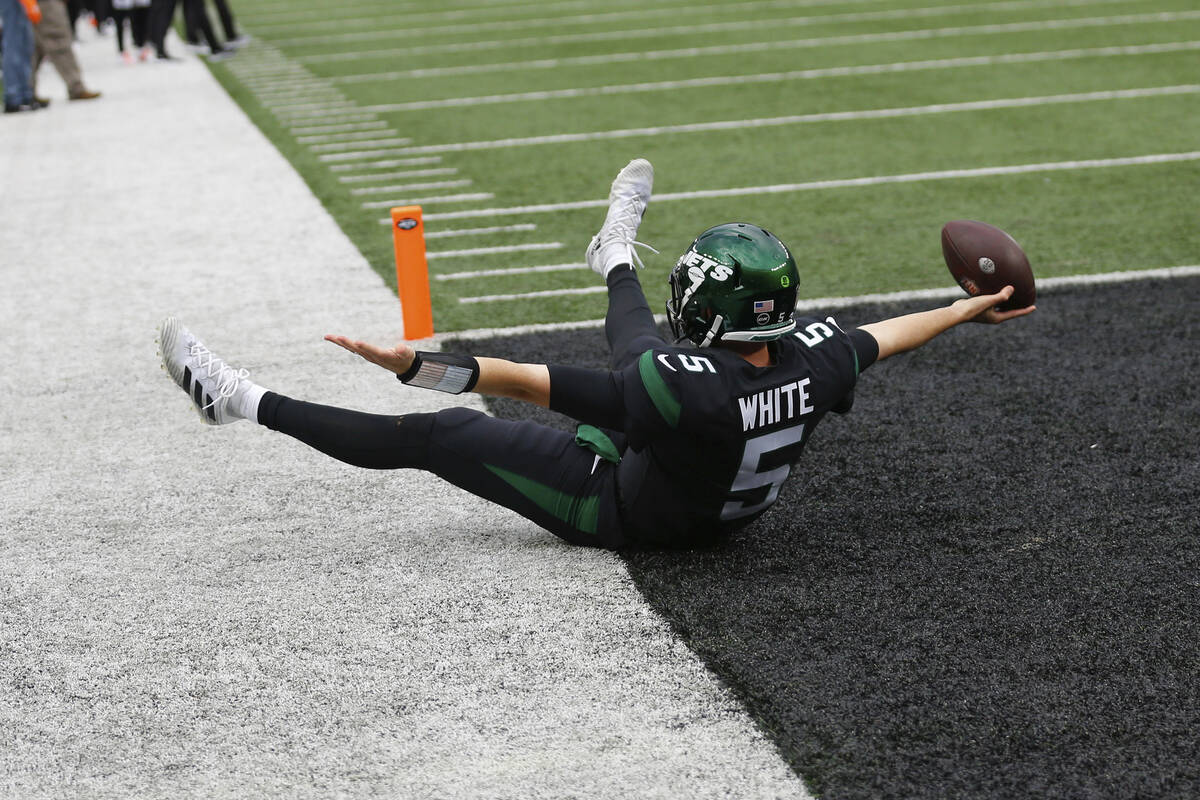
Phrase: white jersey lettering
(769, 407)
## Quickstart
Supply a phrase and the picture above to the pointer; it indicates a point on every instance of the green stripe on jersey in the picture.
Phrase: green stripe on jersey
(580, 512)
(662, 396)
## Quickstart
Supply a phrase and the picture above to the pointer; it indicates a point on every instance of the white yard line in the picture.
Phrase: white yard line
(542, 41)
(346, 136)
(418, 11)
(412, 173)
(395, 141)
(355, 156)
(487, 251)
(797, 75)
(347, 118)
(499, 273)
(841, 183)
(301, 109)
(805, 43)
(455, 232)
(499, 298)
(818, 303)
(537, 22)
(395, 162)
(411, 187)
(409, 21)
(799, 119)
(469, 197)
(349, 126)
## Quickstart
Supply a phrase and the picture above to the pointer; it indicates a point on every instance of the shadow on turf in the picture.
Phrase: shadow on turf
(983, 582)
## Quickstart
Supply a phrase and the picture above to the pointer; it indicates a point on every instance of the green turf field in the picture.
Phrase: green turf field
(507, 120)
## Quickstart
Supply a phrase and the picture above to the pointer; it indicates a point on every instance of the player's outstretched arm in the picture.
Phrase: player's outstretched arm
(899, 334)
(497, 377)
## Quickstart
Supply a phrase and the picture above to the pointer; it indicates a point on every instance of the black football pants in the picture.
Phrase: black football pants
(551, 477)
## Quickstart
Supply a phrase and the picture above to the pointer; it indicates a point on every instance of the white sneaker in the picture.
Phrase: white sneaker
(220, 393)
(627, 201)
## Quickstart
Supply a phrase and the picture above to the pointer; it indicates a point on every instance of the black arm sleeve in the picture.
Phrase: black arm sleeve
(865, 348)
(629, 324)
(594, 396)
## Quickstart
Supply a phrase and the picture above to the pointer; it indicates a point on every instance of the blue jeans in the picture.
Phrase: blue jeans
(18, 53)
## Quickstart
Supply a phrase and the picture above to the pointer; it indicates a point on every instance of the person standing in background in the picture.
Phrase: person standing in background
(232, 37)
(163, 12)
(195, 17)
(18, 19)
(52, 39)
(138, 14)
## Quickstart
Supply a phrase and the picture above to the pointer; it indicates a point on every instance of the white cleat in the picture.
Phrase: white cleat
(627, 201)
(219, 392)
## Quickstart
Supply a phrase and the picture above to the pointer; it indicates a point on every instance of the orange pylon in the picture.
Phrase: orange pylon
(412, 272)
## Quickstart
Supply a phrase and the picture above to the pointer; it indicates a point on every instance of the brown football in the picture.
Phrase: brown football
(984, 259)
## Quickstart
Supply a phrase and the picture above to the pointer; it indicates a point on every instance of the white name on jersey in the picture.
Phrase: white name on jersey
(775, 405)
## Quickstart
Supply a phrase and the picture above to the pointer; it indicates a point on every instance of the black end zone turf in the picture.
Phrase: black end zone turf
(985, 580)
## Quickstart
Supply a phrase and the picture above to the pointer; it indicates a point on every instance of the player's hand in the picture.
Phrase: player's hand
(396, 359)
(983, 308)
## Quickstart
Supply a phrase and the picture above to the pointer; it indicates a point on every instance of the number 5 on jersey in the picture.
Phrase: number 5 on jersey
(749, 477)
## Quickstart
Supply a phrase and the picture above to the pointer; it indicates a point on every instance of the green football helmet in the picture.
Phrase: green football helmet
(737, 283)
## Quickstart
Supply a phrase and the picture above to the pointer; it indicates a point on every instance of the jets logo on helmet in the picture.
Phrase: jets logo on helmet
(737, 282)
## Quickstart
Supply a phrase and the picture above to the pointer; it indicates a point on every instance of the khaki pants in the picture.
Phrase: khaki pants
(52, 40)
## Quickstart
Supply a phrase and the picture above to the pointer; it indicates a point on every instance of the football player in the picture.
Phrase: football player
(679, 444)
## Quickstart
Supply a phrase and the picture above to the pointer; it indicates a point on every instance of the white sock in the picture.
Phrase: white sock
(248, 399)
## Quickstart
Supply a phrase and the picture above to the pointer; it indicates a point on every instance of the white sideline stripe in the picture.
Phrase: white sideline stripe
(802, 74)
(350, 126)
(521, 226)
(345, 136)
(411, 187)
(533, 22)
(838, 302)
(875, 180)
(796, 119)
(326, 148)
(396, 162)
(449, 198)
(485, 273)
(504, 248)
(412, 173)
(499, 298)
(822, 41)
(592, 36)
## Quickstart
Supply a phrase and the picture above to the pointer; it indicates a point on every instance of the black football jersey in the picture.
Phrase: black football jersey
(712, 438)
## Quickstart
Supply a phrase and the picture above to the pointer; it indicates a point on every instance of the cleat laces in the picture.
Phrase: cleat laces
(227, 377)
(620, 229)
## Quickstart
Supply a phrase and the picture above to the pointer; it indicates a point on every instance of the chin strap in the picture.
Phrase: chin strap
(712, 331)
